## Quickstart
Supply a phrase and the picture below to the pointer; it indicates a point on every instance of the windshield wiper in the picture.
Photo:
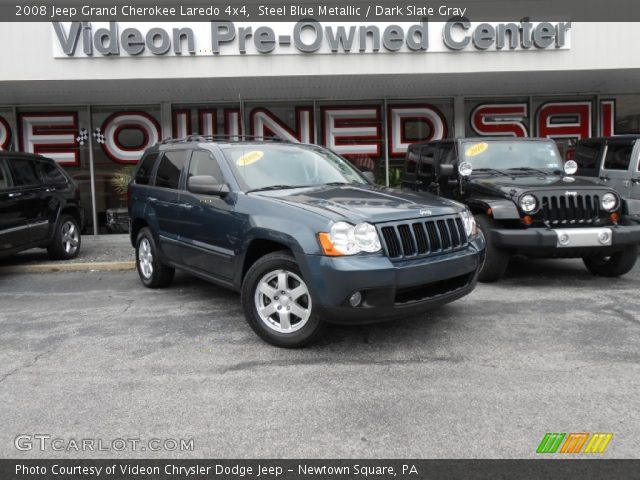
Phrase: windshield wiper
(529, 169)
(275, 187)
(337, 184)
(492, 171)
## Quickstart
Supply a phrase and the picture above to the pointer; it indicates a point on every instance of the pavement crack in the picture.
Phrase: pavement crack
(242, 366)
(33, 361)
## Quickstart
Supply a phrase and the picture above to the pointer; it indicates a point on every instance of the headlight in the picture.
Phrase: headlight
(528, 203)
(469, 223)
(345, 239)
(609, 202)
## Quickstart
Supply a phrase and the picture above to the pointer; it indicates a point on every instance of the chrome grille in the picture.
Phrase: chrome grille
(570, 209)
(423, 237)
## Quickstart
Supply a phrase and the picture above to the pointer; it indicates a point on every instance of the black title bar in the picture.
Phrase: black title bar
(322, 10)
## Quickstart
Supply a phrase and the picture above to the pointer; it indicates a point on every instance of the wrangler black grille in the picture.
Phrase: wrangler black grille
(570, 209)
(423, 237)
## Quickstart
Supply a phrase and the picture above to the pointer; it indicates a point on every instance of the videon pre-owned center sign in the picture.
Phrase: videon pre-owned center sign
(87, 39)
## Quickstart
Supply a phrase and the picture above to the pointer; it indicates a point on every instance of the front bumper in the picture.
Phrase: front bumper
(390, 289)
(558, 241)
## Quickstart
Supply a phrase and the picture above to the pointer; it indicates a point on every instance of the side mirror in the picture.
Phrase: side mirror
(369, 176)
(207, 185)
(447, 170)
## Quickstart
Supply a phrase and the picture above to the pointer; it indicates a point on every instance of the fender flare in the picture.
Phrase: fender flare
(502, 209)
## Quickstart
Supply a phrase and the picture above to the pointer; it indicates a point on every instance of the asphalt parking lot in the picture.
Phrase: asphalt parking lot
(95, 355)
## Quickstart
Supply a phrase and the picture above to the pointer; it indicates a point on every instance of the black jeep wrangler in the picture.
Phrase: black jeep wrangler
(525, 201)
(300, 232)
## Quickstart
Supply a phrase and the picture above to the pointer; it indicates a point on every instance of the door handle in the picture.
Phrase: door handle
(152, 199)
(635, 181)
(15, 194)
(186, 206)
(50, 189)
(604, 178)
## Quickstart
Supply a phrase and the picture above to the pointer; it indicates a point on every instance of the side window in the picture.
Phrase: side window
(24, 172)
(51, 173)
(146, 166)
(588, 158)
(203, 163)
(412, 161)
(618, 157)
(447, 154)
(170, 169)
(5, 178)
(427, 159)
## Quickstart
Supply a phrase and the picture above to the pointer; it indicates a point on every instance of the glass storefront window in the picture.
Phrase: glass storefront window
(121, 135)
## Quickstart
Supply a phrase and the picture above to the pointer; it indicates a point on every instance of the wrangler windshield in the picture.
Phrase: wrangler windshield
(272, 166)
(505, 155)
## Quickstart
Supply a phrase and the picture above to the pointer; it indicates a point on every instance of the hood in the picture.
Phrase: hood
(366, 203)
(515, 185)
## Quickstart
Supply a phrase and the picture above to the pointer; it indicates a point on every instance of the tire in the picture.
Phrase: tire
(496, 260)
(284, 320)
(66, 239)
(153, 273)
(613, 265)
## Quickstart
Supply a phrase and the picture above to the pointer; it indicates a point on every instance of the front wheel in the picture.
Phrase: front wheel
(153, 273)
(612, 265)
(496, 260)
(277, 302)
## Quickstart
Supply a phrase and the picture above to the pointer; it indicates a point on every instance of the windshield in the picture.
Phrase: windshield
(504, 155)
(260, 167)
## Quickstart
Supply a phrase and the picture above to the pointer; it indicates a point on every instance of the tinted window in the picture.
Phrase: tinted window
(24, 172)
(202, 163)
(618, 157)
(426, 160)
(171, 165)
(146, 166)
(447, 154)
(588, 157)
(5, 180)
(51, 173)
(412, 161)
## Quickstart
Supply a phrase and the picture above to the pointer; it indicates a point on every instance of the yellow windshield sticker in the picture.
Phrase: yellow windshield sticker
(249, 158)
(477, 149)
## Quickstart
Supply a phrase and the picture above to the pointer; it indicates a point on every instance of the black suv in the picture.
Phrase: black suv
(525, 201)
(39, 207)
(301, 233)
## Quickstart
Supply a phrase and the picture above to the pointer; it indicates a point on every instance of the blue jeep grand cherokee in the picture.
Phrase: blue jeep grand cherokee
(301, 233)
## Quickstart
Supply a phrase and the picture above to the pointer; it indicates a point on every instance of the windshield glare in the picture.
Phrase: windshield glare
(503, 155)
(260, 166)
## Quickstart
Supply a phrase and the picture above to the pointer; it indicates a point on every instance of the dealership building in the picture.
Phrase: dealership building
(94, 95)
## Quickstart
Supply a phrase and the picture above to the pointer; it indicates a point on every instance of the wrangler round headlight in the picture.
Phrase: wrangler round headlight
(609, 202)
(349, 240)
(528, 203)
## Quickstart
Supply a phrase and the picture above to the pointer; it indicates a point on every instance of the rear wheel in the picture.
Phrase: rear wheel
(153, 273)
(277, 302)
(66, 239)
(612, 265)
(496, 260)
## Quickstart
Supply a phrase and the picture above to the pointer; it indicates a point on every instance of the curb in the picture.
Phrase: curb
(70, 267)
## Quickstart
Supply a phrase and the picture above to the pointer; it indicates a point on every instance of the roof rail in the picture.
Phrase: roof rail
(215, 138)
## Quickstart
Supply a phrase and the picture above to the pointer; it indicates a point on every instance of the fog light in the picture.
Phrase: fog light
(563, 239)
(604, 238)
(355, 299)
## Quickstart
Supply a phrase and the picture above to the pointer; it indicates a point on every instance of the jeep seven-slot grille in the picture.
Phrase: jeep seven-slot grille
(570, 209)
(423, 237)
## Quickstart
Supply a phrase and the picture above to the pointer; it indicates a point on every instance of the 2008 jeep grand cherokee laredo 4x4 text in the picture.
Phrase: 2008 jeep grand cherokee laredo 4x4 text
(302, 234)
